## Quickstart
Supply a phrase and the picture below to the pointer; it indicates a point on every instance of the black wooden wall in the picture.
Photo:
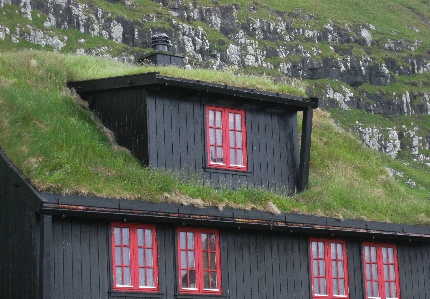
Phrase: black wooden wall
(19, 240)
(165, 128)
(255, 264)
(124, 113)
(176, 139)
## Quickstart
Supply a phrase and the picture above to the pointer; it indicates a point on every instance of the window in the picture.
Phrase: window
(226, 138)
(134, 256)
(381, 271)
(199, 261)
(329, 268)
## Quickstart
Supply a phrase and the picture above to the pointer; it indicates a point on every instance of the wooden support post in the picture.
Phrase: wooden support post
(46, 277)
(305, 150)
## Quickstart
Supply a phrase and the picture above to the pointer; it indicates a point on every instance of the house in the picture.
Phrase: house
(67, 246)
(55, 246)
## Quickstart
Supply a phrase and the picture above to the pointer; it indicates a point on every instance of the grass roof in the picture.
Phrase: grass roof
(59, 147)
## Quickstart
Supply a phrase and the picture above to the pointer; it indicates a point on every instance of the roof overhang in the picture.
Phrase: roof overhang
(135, 210)
(155, 79)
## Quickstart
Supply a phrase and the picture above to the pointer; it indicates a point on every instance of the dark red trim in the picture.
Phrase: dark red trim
(147, 245)
(194, 270)
(384, 258)
(328, 282)
(225, 143)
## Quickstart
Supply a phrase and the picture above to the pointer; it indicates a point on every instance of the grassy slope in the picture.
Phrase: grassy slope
(58, 147)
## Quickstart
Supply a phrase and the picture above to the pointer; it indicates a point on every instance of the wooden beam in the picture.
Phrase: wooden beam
(305, 150)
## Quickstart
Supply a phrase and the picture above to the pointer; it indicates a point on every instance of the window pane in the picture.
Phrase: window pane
(214, 284)
(335, 287)
(213, 261)
(218, 137)
(191, 260)
(334, 269)
(142, 277)
(150, 277)
(118, 256)
(213, 154)
(314, 250)
(239, 139)
(240, 158)
(148, 237)
(323, 287)
(367, 253)
(375, 289)
(212, 239)
(117, 233)
(211, 118)
(340, 270)
(393, 290)
(183, 259)
(374, 272)
(190, 237)
(184, 278)
(211, 136)
(316, 286)
(149, 259)
(315, 266)
(340, 251)
(183, 239)
(320, 250)
(392, 273)
(205, 241)
(140, 237)
(192, 277)
(206, 282)
(205, 260)
(342, 287)
(141, 257)
(322, 268)
(127, 276)
(373, 254)
(391, 255)
(119, 276)
(126, 256)
(238, 122)
(220, 155)
(125, 236)
(333, 250)
(232, 139)
(233, 156)
(231, 121)
(369, 289)
(218, 119)
(384, 255)
(385, 272)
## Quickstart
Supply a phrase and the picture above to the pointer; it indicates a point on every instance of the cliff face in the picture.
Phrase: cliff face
(340, 60)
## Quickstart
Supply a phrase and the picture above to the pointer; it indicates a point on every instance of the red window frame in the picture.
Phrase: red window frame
(199, 263)
(226, 138)
(381, 270)
(329, 268)
(134, 257)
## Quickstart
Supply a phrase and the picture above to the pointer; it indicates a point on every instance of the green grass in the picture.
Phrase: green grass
(59, 148)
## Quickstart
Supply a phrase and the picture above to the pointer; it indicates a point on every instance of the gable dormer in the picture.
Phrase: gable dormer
(226, 135)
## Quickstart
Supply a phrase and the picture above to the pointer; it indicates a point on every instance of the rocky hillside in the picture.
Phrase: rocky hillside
(368, 55)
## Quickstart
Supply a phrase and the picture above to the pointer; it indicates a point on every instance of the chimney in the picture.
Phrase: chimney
(161, 56)
(160, 42)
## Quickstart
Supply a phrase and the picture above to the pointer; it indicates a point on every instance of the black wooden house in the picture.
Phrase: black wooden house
(56, 246)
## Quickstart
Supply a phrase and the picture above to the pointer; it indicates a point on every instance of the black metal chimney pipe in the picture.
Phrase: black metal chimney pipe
(160, 42)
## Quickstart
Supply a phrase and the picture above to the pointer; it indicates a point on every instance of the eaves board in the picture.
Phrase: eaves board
(149, 79)
(134, 210)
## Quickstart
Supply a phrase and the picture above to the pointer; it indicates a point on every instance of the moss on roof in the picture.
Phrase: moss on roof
(60, 147)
